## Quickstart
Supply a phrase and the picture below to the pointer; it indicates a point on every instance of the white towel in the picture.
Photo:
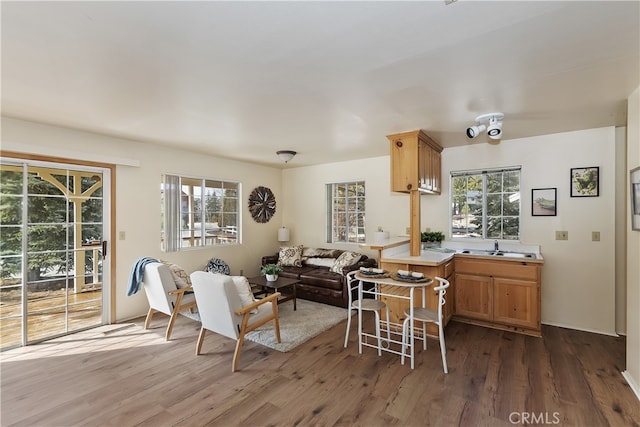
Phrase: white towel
(410, 273)
(372, 270)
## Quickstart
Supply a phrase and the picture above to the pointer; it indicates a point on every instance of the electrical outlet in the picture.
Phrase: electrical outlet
(595, 236)
(562, 235)
(408, 230)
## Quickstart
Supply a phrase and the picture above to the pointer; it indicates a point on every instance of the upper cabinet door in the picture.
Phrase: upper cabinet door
(415, 163)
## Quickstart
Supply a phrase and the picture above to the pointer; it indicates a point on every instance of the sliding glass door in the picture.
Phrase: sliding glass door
(53, 221)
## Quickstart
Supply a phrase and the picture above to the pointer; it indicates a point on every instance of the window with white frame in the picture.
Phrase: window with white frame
(199, 212)
(486, 204)
(345, 213)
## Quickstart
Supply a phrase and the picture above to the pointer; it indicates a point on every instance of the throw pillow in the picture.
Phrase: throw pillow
(321, 253)
(347, 258)
(216, 265)
(180, 277)
(320, 262)
(244, 290)
(290, 256)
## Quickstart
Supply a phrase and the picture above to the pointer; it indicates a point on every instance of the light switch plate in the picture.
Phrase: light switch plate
(595, 236)
(562, 235)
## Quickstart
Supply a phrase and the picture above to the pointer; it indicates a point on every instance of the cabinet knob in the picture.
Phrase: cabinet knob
(409, 186)
(399, 144)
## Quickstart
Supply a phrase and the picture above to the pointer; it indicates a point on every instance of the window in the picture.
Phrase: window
(345, 213)
(198, 212)
(486, 204)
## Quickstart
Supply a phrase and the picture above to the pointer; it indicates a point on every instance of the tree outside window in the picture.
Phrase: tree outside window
(486, 204)
(346, 212)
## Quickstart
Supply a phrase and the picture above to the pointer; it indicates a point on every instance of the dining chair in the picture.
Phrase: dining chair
(426, 315)
(367, 304)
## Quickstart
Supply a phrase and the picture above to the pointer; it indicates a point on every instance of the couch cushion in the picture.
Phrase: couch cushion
(290, 256)
(295, 272)
(347, 258)
(322, 278)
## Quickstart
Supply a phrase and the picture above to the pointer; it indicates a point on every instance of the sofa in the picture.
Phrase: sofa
(321, 272)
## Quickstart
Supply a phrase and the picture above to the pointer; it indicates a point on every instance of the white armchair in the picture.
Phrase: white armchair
(221, 310)
(163, 294)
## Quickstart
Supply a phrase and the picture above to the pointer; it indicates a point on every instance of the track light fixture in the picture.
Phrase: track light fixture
(474, 131)
(494, 130)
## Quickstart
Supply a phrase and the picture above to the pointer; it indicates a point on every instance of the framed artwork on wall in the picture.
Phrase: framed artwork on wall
(585, 182)
(544, 201)
(634, 185)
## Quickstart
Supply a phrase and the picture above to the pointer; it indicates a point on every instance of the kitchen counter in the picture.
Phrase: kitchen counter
(427, 257)
(387, 243)
(436, 256)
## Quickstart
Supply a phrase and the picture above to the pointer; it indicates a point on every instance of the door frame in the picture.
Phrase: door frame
(109, 271)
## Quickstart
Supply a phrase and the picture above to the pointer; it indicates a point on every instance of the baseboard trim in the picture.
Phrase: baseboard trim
(593, 331)
(632, 383)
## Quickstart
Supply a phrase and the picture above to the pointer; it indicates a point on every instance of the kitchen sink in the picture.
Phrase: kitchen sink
(476, 252)
(514, 254)
(504, 254)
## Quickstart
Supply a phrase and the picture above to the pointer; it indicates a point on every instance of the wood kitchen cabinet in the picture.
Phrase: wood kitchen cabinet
(415, 163)
(473, 296)
(397, 306)
(499, 294)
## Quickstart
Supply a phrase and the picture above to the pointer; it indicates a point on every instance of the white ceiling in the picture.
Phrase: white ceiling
(327, 79)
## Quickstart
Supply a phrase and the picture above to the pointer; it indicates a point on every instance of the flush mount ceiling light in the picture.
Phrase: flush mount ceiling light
(494, 128)
(286, 155)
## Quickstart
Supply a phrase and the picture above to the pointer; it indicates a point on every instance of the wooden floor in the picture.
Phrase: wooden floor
(122, 375)
(50, 313)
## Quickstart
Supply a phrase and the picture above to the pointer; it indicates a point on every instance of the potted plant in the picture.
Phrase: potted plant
(270, 271)
(431, 239)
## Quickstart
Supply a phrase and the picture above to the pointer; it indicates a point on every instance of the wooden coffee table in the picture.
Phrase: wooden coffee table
(282, 283)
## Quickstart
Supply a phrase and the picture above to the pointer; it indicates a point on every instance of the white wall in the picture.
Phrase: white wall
(632, 373)
(578, 275)
(578, 281)
(304, 192)
(138, 199)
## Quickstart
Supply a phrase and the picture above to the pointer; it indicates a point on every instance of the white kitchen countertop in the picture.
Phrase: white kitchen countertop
(437, 256)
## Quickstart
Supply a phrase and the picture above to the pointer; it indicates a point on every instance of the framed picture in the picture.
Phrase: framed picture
(585, 182)
(634, 184)
(544, 201)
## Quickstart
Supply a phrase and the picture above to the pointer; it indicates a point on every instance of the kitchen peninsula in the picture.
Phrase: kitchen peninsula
(497, 288)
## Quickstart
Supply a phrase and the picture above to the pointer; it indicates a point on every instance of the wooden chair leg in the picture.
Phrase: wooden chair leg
(147, 321)
(203, 331)
(276, 321)
(172, 320)
(236, 354)
(174, 315)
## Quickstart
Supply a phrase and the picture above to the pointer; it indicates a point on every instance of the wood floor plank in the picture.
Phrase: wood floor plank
(129, 376)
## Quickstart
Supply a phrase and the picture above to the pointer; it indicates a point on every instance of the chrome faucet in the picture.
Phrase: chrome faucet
(495, 246)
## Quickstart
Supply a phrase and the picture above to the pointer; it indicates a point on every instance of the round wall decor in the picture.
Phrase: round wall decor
(262, 204)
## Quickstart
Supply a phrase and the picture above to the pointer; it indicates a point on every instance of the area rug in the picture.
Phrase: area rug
(309, 320)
